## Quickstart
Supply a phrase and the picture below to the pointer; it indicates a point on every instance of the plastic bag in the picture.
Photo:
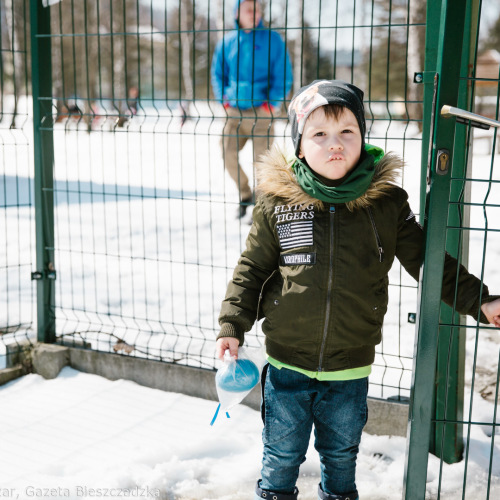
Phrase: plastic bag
(237, 377)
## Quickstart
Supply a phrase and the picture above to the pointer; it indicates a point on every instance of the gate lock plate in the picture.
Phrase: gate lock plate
(443, 162)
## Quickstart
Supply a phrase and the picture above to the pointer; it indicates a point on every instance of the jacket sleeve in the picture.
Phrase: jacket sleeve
(281, 71)
(257, 262)
(460, 290)
(219, 72)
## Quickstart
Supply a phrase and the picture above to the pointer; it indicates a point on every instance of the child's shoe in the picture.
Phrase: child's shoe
(269, 495)
(346, 496)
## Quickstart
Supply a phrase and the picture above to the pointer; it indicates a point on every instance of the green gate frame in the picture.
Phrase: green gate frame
(438, 372)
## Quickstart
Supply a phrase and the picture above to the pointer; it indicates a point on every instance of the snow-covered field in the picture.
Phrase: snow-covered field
(146, 240)
(82, 436)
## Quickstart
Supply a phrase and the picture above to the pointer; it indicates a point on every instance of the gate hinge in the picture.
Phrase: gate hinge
(49, 273)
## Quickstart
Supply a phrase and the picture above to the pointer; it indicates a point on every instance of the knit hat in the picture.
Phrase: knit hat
(321, 93)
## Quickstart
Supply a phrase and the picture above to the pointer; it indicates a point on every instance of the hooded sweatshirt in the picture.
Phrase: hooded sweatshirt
(251, 68)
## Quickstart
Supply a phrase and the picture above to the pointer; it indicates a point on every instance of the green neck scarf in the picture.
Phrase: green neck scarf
(354, 186)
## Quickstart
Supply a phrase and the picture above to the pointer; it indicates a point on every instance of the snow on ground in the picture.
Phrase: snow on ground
(80, 434)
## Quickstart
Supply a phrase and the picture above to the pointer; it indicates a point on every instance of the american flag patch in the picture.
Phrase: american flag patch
(295, 234)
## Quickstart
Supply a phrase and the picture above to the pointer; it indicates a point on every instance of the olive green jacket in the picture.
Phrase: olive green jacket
(318, 273)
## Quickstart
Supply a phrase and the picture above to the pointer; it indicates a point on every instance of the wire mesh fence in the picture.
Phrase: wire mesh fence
(145, 215)
(453, 412)
(146, 232)
(473, 224)
(17, 295)
(465, 409)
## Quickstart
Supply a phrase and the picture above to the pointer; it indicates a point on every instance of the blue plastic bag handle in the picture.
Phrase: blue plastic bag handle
(216, 413)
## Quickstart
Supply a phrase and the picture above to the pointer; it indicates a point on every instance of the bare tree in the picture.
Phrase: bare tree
(186, 26)
(298, 49)
(14, 22)
(220, 19)
(416, 46)
(118, 54)
(6, 65)
(91, 60)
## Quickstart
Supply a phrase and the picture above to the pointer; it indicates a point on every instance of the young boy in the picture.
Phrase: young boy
(325, 233)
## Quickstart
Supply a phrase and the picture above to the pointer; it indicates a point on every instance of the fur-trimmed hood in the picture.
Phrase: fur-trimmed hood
(275, 177)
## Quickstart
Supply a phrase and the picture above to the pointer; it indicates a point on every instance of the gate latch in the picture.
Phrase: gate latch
(463, 116)
(443, 162)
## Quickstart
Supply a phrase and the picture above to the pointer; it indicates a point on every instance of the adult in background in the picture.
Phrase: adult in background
(251, 76)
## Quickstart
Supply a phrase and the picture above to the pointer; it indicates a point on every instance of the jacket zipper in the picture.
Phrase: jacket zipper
(329, 293)
(377, 237)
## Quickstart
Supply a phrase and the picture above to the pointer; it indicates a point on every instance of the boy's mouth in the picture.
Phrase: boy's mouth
(334, 157)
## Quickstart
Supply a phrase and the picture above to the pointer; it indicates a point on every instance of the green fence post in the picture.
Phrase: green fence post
(449, 398)
(436, 210)
(43, 150)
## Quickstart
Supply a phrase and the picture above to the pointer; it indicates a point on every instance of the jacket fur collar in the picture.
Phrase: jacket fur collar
(275, 177)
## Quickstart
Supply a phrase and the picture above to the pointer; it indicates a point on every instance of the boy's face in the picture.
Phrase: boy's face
(331, 147)
(248, 14)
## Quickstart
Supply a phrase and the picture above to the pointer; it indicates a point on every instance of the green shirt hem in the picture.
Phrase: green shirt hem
(349, 374)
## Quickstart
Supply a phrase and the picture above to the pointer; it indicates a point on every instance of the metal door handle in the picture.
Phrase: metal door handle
(464, 116)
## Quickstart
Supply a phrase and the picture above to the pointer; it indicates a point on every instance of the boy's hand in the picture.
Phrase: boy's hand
(492, 312)
(224, 343)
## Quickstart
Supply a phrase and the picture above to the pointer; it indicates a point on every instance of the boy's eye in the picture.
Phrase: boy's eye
(319, 134)
(347, 131)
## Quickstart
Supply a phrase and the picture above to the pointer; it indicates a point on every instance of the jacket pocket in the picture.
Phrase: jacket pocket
(381, 300)
(263, 296)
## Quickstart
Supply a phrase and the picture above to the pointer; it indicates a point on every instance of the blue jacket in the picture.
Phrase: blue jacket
(249, 69)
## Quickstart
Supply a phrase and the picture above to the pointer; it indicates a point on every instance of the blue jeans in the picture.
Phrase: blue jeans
(292, 403)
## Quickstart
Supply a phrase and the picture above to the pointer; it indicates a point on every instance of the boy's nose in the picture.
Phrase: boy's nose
(335, 145)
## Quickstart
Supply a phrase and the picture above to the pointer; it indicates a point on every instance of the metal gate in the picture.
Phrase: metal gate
(453, 409)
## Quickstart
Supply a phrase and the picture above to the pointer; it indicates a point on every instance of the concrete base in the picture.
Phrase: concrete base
(49, 359)
(9, 374)
(18, 361)
(155, 374)
(385, 417)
